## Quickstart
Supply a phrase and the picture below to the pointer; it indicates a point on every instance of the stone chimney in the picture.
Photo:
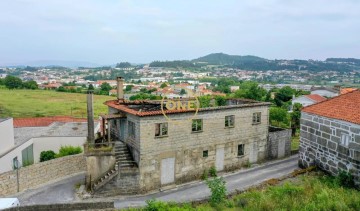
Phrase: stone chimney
(90, 117)
(120, 87)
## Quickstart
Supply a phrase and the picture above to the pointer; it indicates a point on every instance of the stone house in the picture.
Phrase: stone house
(164, 147)
(330, 135)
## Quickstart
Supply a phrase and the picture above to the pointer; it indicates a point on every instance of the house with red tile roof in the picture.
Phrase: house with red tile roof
(306, 100)
(330, 135)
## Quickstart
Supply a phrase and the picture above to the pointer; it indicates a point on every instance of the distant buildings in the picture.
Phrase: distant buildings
(306, 100)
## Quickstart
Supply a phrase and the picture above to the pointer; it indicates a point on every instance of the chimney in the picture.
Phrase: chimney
(120, 87)
(90, 117)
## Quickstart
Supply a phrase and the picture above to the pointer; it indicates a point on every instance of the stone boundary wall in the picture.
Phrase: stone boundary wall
(40, 173)
(65, 207)
(279, 143)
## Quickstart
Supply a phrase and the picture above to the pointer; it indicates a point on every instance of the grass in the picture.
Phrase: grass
(295, 141)
(38, 103)
(313, 191)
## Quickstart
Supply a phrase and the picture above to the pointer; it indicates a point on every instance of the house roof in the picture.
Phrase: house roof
(347, 90)
(315, 97)
(125, 106)
(44, 121)
(343, 107)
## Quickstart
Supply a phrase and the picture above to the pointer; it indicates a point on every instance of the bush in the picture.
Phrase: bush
(212, 171)
(345, 179)
(218, 190)
(205, 176)
(47, 155)
(68, 150)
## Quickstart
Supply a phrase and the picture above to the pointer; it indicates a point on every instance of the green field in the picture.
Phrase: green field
(38, 103)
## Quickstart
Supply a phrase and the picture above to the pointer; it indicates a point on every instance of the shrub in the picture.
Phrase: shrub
(218, 190)
(345, 179)
(205, 174)
(212, 171)
(47, 155)
(68, 150)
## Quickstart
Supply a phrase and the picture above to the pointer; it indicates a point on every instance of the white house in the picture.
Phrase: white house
(25, 144)
(306, 100)
(325, 92)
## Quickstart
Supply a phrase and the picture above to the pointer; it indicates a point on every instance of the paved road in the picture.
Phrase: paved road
(63, 191)
(237, 181)
(58, 192)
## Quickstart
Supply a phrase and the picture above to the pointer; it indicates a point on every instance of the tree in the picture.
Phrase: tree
(205, 101)
(279, 116)
(128, 88)
(251, 90)
(105, 87)
(30, 85)
(295, 118)
(182, 91)
(12, 82)
(123, 65)
(284, 95)
(163, 85)
(61, 89)
(91, 87)
(2, 81)
(220, 100)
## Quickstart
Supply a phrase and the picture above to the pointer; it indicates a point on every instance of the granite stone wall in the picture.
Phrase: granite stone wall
(40, 173)
(321, 145)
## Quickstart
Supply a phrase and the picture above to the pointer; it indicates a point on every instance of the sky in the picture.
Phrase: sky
(141, 31)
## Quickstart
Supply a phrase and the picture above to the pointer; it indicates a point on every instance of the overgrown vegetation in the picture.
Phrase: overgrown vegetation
(68, 150)
(64, 151)
(218, 190)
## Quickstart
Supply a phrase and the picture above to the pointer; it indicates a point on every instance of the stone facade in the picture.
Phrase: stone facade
(323, 143)
(180, 154)
(40, 173)
(279, 143)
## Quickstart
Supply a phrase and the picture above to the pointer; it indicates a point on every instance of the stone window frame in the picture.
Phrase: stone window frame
(256, 118)
(198, 123)
(205, 153)
(161, 129)
(131, 130)
(230, 121)
(345, 142)
(241, 150)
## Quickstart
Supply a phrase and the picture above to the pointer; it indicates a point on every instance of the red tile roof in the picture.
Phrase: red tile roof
(44, 121)
(343, 107)
(346, 90)
(315, 97)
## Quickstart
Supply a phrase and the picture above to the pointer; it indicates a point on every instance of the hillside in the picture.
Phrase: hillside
(261, 64)
(37, 103)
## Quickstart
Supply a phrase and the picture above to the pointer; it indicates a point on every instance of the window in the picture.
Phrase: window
(345, 138)
(240, 150)
(197, 125)
(161, 129)
(257, 118)
(131, 129)
(205, 153)
(229, 121)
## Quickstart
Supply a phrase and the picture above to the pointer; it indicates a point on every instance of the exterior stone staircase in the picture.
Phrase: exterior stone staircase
(123, 160)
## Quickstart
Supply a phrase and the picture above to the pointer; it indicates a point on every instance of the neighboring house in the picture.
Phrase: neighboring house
(306, 100)
(347, 90)
(330, 135)
(325, 91)
(24, 139)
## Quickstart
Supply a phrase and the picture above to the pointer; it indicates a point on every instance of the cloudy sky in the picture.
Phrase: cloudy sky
(106, 32)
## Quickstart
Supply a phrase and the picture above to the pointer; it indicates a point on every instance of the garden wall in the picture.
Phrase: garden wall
(40, 173)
